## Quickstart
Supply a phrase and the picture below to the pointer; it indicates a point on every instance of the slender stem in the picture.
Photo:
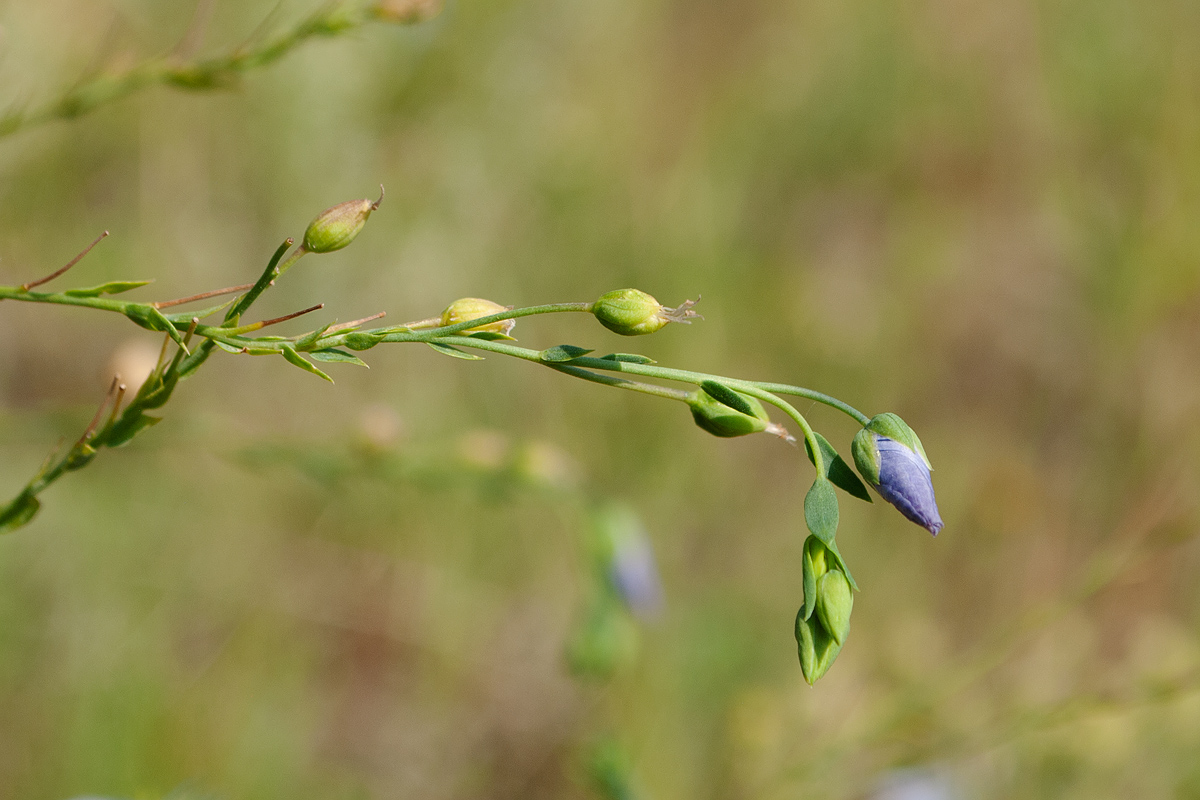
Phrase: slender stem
(651, 371)
(27, 286)
(798, 418)
(512, 313)
(621, 383)
(203, 296)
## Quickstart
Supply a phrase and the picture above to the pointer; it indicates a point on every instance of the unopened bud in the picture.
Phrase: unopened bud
(835, 600)
(890, 458)
(469, 308)
(336, 227)
(720, 420)
(632, 312)
(816, 647)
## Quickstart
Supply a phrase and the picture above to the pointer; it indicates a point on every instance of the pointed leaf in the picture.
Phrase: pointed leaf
(841, 564)
(453, 352)
(490, 336)
(334, 356)
(821, 510)
(184, 316)
(837, 470)
(363, 341)
(810, 577)
(309, 339)
(228, 348)
(112, 287)
(300, 361)
(562, 352)
(128, 427)
(629, 358)
(726, 396)
(19, 512)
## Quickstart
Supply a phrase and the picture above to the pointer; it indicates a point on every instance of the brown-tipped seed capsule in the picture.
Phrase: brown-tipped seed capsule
(468, 308)
(632, 312)
(336, 227)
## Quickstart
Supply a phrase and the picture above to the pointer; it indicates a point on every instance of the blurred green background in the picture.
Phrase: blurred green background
(979, 216)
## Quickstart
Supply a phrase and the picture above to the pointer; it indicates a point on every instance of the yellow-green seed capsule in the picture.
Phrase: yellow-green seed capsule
(632, 312)
(468, 308)
(336, 227)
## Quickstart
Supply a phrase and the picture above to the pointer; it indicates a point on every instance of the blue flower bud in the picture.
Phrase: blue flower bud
(630, 566)
(892, 460)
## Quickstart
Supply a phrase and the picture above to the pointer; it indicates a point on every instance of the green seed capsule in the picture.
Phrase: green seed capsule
(632, 312)
(336, 227)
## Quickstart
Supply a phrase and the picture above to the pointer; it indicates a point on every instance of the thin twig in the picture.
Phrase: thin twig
(203, 296)
(25, 287)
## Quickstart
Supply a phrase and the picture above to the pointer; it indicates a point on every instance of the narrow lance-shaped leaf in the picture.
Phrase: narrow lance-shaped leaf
(723, 394)
(628, 358)
(129, 426)
(112, 287)
(19, 512)
(837, 470)
(453, 352)
(562, 352)
(298, 360)
(334, 356)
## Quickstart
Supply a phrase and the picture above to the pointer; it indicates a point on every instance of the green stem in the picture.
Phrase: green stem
(479, 322)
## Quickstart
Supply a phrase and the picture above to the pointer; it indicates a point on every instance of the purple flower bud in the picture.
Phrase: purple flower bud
(905, 482)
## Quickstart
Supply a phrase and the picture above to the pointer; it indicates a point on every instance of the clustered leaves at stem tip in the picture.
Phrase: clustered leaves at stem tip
(888, 454)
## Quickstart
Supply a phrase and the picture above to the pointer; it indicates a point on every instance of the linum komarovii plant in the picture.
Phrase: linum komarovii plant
(888, 454)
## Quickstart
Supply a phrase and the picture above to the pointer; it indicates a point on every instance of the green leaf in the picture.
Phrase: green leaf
(837, 470)
(228, 348)
(561, 353)
(628, 358)
(363, 341)
(128, 427)
(453, 352)
(726, 396)
(490, 336)
(334, 356)
(184, 316)
(300, 361)
(810, 576)
(309, 339)
(112, 287)
(841, 564)
(821, 510)
(19, 512)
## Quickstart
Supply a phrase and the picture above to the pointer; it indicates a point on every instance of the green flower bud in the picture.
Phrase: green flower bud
(720, 420)
(468, 308)
(336, 227)
(816, 647)
(835, 600)
(631, 312)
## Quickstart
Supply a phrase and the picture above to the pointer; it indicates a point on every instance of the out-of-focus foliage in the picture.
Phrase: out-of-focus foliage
(979, 216)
